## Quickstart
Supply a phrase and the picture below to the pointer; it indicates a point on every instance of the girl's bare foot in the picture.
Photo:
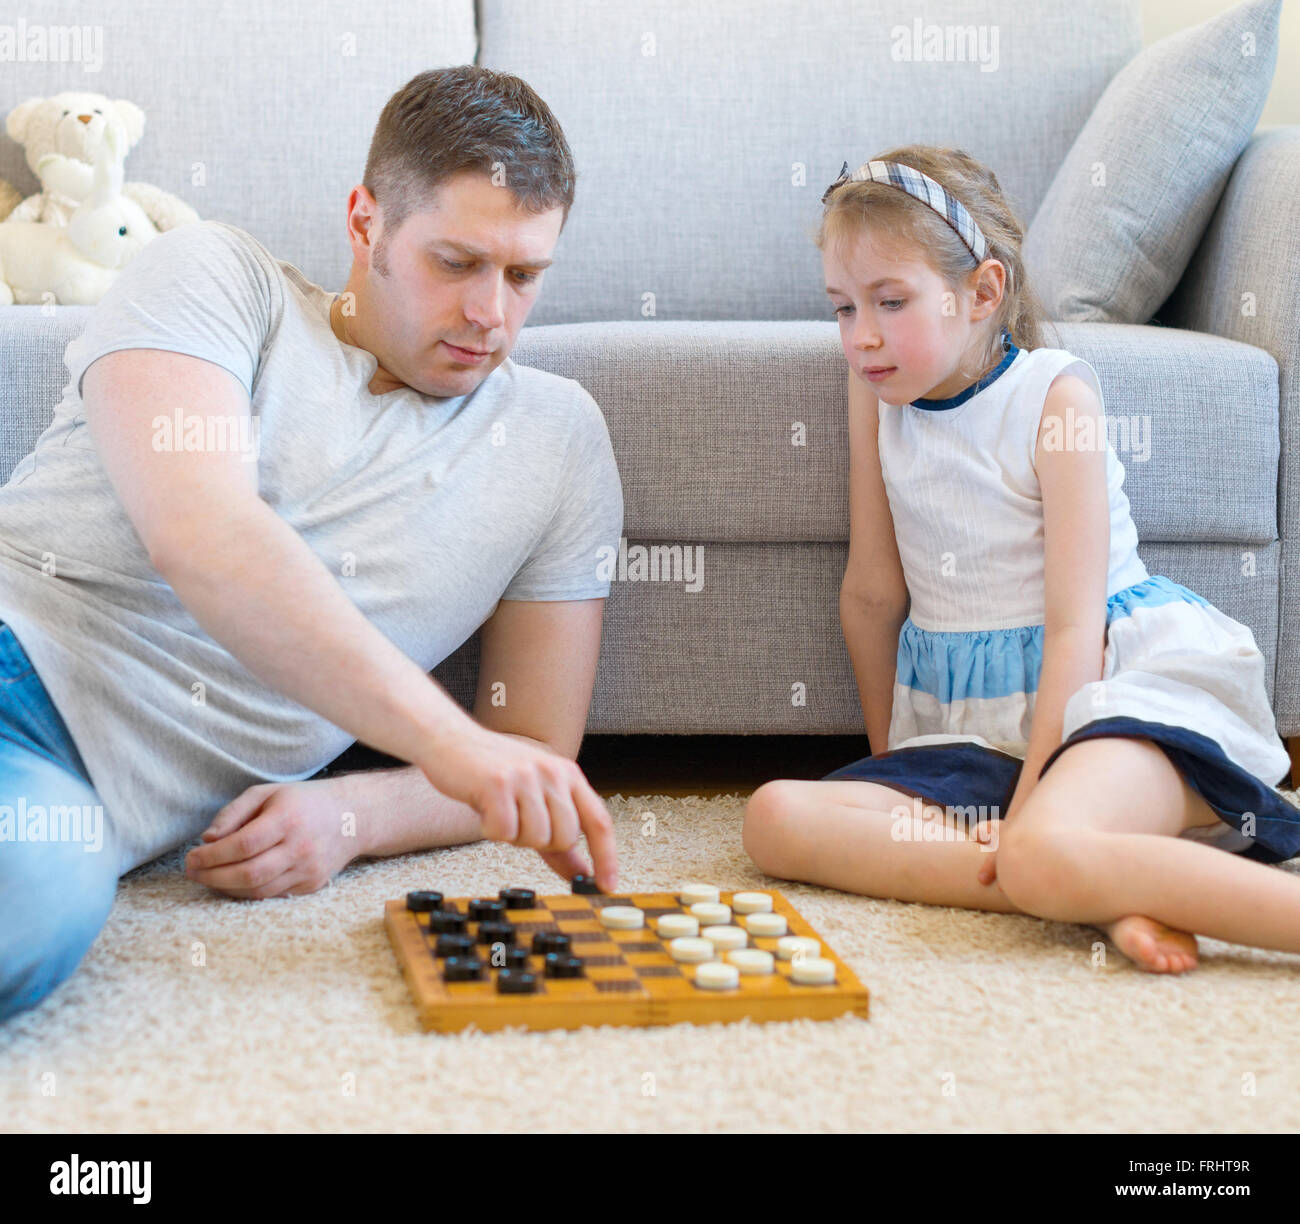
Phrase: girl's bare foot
(1153, 946)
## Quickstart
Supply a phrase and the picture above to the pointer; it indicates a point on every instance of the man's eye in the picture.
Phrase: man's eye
(526, 278)
(455, 267)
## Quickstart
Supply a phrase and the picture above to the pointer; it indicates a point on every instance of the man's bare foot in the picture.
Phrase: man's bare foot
(1153, 946)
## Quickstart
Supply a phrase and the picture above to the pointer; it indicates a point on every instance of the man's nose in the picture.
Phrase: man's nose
(484, 303)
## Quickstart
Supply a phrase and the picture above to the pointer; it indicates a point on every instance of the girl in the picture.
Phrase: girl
(1111, 724)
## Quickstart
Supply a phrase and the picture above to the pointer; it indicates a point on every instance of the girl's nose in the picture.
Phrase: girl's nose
(866, 338)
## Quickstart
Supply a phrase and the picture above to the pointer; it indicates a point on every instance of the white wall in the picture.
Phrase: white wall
(1161, 18)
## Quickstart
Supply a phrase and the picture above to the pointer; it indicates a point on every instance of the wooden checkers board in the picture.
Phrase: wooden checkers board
(628, 976)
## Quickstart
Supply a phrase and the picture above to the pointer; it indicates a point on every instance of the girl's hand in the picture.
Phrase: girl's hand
(989, 832)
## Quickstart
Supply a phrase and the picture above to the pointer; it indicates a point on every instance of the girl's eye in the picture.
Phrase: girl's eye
(893, 303)
(839, 310)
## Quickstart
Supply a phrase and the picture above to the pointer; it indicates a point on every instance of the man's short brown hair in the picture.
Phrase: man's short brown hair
(447, 120)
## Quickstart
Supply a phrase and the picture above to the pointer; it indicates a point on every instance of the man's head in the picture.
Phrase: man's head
(467, 186)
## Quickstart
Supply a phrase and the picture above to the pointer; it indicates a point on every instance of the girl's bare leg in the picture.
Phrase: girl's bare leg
(863, 837)
(1082, 849)
(867, 838)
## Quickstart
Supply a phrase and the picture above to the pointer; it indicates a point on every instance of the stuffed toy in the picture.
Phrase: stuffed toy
(72, 125)
(76, 263)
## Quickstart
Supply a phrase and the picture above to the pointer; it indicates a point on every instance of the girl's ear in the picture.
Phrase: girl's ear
(990, 284)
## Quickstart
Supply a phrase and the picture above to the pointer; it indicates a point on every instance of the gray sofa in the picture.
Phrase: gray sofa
(686, 294)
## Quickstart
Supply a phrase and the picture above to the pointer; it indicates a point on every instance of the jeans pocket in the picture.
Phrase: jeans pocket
(27, 715)
(14, 663)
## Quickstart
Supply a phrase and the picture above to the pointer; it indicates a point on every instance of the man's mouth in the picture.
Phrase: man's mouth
(466, 354)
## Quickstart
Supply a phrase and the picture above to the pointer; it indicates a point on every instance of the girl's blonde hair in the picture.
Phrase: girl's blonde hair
(905, 222)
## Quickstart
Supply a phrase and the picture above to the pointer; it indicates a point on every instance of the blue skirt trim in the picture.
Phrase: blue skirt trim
(991, 663)
(966, 775)
(959, 774)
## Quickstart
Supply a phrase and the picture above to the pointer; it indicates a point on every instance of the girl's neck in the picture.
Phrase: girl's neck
(1004, 344)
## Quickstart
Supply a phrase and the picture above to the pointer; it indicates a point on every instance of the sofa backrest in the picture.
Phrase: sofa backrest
(704, 134)
(257, 114)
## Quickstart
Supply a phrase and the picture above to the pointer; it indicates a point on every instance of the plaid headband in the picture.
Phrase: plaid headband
(925, 189)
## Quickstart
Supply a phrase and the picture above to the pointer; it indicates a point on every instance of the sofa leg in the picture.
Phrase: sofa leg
(1293, 746)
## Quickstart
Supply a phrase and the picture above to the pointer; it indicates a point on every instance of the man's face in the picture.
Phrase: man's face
(461, 273)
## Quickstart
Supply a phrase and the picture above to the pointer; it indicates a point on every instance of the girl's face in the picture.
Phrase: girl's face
(904, 330)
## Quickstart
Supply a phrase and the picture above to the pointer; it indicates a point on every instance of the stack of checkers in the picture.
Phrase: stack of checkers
(699, 955)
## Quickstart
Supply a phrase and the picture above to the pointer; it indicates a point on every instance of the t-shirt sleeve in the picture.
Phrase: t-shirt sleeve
(1083, 369)
(572, 558)
(202, 289)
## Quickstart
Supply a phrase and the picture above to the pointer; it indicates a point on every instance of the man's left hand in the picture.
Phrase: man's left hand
(277, 839)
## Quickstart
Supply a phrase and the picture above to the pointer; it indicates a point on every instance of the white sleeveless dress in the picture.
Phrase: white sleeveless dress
(968, 518)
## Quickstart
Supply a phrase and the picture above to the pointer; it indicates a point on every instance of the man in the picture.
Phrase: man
(264, 512)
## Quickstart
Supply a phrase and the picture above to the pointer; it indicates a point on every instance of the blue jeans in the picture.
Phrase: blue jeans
(58, 855)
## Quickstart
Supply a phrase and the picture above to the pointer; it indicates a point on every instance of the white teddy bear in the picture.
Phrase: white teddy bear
(72, 124)
(76, 263)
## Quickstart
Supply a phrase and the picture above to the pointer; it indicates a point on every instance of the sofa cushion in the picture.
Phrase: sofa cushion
(1131, 200)
(703, 145)
(737, 431)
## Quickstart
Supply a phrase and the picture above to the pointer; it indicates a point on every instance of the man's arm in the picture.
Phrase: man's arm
(256, 587)
(246, 576)
(537, 670)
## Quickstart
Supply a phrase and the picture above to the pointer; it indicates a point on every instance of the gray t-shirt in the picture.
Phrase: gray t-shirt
(427, 510)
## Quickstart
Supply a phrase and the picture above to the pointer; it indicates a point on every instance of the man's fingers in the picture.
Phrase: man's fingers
(500, 814)
(566, 863)
(599, 831)
(250, 877)
(238, 811)
(565, 826)
(240, 843)
(534, 819)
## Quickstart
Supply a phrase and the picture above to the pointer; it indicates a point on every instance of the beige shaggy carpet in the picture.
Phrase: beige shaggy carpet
(300, 1020)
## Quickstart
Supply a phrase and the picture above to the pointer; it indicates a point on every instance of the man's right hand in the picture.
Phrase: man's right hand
(529, 797)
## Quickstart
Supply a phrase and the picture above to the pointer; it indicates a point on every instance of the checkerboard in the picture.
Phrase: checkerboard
(628, 976)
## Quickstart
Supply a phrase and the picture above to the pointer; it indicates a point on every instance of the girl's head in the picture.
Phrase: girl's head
(908, 292)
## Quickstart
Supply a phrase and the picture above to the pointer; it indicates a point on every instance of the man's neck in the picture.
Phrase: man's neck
(382, 381)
